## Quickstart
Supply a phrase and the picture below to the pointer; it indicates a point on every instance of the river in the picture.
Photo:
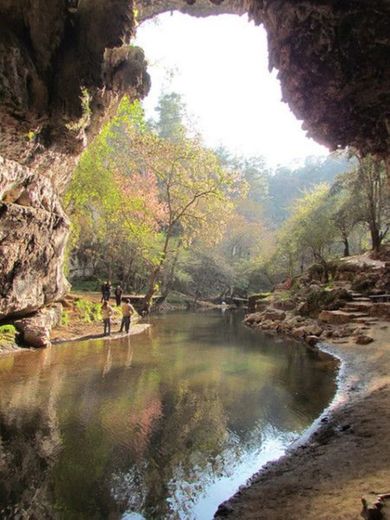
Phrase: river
(165, 424)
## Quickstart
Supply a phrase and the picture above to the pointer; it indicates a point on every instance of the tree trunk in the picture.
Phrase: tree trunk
(375, 238)
(155, 274)
(346, 246)
(150, 292)
(169, 279)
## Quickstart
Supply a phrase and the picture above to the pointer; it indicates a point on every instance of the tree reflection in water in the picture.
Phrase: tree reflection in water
(166, 424)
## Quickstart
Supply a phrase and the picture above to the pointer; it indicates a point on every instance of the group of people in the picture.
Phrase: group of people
(107, 311)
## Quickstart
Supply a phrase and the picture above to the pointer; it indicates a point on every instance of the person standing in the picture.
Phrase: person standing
(107, 312)
(106, 291)
(127, 311)
(118, 294)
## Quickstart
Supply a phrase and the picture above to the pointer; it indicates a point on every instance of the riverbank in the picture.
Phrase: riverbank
(345, 455)
(345, 458)
(80, 321)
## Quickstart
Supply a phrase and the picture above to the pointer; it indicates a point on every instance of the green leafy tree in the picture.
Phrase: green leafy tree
(309, 230)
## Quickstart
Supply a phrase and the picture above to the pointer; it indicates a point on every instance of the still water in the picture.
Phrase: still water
(165, 424)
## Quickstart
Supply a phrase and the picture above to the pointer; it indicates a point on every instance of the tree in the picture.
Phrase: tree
(370, 189)
(195, 188)
(171, 111)
(116, 214)
(309, 229)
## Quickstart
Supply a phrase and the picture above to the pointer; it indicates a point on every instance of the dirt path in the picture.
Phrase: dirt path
(346, 457)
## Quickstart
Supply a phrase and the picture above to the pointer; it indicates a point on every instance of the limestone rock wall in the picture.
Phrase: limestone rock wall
(332, 59)
(33, 235)
(64, 66)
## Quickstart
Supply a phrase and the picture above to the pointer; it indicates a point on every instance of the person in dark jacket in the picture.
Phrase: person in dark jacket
(118, 294)
(106, 291)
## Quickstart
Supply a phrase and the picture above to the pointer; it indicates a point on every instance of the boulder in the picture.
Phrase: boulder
(285, 305)
(256, 302)
(35, 330)
(358, 306)
(336, 317)
(376, 507)
(363, 339)
(312, 340)
(274, 315)
(314, 330)
(254, 317)
(260, 306)
(303, 308)
(380, 310)
(299, 333)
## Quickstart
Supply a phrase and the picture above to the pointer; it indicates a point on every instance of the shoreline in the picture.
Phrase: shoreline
(343, 455)
(91, 332)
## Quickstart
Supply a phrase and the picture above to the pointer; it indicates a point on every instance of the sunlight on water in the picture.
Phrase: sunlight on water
(166, 424)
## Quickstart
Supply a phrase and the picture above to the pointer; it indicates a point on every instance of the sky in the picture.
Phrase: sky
(219, 65)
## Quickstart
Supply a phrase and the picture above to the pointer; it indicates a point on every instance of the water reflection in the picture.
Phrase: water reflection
(162, 425)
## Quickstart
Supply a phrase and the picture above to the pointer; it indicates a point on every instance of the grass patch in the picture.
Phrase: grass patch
(65, 318)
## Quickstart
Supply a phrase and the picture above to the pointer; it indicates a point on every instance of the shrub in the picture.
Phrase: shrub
(65, 318)
(88, 311)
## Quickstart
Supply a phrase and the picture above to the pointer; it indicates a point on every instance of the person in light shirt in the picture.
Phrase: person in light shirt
(127, 311)
(107, 312)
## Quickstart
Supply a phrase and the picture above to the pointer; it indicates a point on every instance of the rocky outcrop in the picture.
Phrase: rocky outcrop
(321, 313)
(63, 69)
(337, 317)
(35, 330)
(33, 234)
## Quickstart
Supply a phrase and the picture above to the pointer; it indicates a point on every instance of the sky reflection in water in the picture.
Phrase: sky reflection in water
(163, 425)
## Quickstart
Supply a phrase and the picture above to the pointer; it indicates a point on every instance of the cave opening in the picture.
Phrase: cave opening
(218, 65)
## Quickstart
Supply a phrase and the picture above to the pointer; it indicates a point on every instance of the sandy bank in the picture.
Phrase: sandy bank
(346, 457)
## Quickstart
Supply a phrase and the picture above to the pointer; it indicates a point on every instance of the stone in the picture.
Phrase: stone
(380, 310)
(312, 340)
(314, 329)
(361, 306)
(362, 339)
(274, 314)
(335, 317)
(376, 507)
(254, 317)
(261, 306)
(284, 305)
(299, 332)
(35, 330)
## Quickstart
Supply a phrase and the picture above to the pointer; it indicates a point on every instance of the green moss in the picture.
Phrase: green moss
(86, 112)
(8, 329)
(7, 335)
(65, 319)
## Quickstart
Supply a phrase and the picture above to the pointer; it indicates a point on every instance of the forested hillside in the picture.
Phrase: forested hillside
(154, 209)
